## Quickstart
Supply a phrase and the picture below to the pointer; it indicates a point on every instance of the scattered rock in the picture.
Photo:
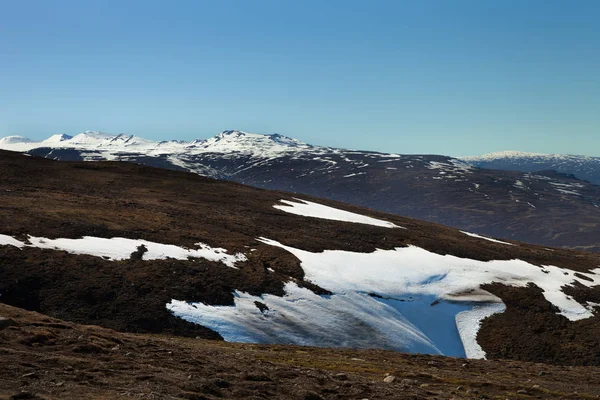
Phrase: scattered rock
(26, 396)
(409, 382)
(193, 396)
(6, 322)
(88, 348)
(522, 391)
(309, 395)
(258, 378)
(261, 306)
(139, 253)
(221, 383)
(389, 379)
(341, 376)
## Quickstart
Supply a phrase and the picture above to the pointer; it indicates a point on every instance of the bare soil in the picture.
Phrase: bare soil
(47, 358)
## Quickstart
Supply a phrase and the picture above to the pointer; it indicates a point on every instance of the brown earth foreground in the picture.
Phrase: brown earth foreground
(46, 198)
(46, 358)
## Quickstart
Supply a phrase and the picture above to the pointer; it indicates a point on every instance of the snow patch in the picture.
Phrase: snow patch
(6, 240)
(469, 322)
(314, 210)
(303, 318)
(121, 248)
(487, 238)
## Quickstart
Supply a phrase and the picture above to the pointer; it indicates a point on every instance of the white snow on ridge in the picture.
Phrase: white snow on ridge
(512, 154)
(487, 238)
(14, 139)
(314, 210)
(393, 273)
(54, 139)
(301, 317)
(505, 154)
(252, 144)
(234, 143)
(16, 143)
(121, 248)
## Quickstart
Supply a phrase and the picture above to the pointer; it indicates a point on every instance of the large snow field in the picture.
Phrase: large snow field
(301, 317)
(406, 299)
(362, 309)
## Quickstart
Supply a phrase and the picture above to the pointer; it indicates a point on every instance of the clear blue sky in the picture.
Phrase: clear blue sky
(457, 77)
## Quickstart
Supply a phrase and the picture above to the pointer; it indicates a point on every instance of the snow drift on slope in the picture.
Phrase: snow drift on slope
(359, 279)
(314, 210)
(121, 248)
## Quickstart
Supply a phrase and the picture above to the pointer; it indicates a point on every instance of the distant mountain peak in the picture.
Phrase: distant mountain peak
(229, 142)
(59, 137)
(582, 167)
(15, 139)
(513, 154)
(505, 154)
(233, 132)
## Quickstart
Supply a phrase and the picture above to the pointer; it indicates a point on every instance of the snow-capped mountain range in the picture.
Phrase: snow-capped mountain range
(549, 208)
(227, 142)
(582, 167)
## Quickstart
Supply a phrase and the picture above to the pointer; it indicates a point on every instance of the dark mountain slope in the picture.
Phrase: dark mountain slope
(50, 199)
(582, 167)
(544, 207)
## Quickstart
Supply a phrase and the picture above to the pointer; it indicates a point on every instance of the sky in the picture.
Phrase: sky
(454, 77)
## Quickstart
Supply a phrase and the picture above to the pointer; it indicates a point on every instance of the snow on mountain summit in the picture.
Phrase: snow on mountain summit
(504, 154)
(17, 143)
(226, 142)
(15, 139)
(252, 144)
(90, 137)
(61, 137)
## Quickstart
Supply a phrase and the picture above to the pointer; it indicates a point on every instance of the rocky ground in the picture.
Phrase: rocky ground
(47, 358)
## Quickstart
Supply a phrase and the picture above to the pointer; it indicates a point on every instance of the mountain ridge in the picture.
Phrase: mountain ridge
(547, 208)
(583, 167)
(226, 141)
